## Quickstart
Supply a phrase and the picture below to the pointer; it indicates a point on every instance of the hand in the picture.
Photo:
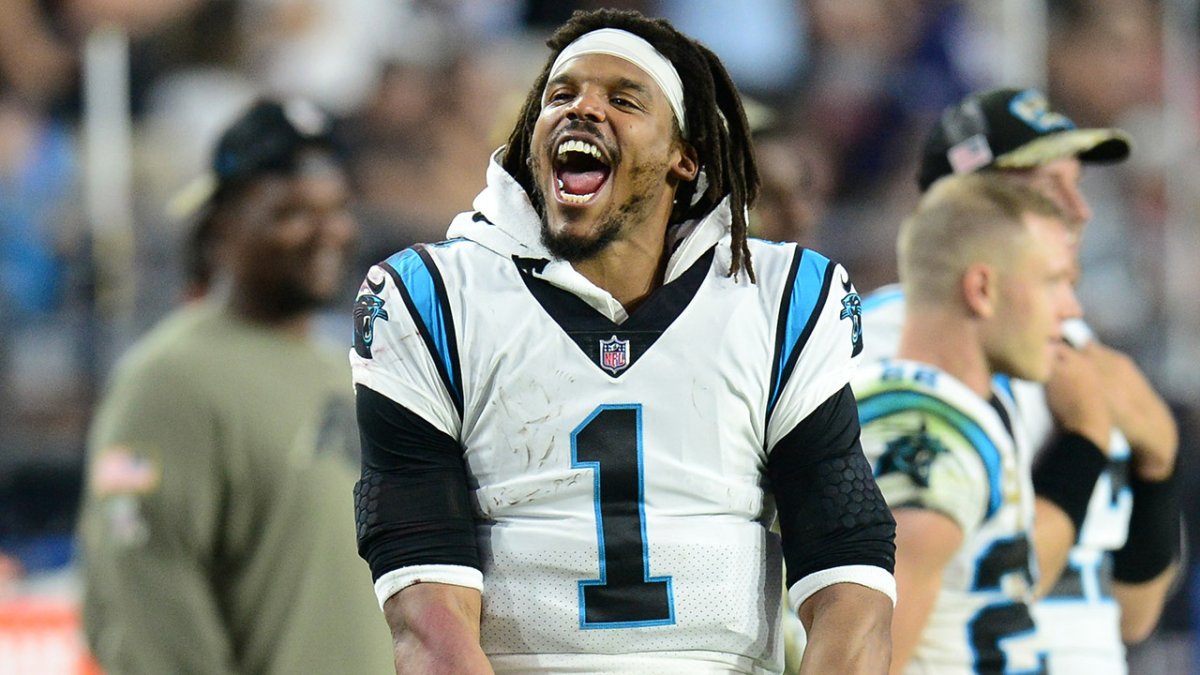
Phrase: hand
(1137, 410)
(1076, 398)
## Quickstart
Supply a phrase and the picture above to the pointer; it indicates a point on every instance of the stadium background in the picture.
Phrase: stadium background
(108, 107)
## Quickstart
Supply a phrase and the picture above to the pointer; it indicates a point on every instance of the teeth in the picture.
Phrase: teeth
(573, 199)
(579, 146)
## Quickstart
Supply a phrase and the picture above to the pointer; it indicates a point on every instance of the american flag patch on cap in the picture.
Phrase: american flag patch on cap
(969, 155)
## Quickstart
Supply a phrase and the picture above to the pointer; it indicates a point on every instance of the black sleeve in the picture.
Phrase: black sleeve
(831, 512)
(1154, 530)
(1066, 473)
(412, 503)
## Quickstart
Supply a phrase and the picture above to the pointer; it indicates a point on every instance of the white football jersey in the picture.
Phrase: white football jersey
(935, 444)
(616, 460)
(1079, 621)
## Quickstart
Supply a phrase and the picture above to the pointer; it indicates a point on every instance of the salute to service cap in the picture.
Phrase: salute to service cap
(1011, 129)
(267, 138)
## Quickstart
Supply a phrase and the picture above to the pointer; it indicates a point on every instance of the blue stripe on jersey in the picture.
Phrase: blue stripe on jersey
(1003, 383)
(808, 288)
(427, 296)
(882, 297)
(893, 402)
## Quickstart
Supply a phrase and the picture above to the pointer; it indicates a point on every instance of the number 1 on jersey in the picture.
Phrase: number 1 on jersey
(609, 442)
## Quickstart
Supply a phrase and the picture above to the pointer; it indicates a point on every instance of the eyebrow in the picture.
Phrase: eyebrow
(621, 83)
(635, 87)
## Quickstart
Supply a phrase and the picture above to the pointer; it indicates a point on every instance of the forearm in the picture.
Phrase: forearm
(1142, 604)
(849, 630)
(1145, 567)
(1139, 412)
(1053, 537)
(1155, 444)
(435, 630)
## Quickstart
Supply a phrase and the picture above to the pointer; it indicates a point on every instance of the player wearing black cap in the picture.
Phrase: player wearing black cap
(216, 530)
(1112, 586)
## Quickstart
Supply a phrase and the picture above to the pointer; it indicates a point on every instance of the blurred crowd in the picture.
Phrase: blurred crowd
(840, 92)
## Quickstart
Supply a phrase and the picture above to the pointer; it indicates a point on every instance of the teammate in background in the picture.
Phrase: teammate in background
(988, 262)
(216, 529)
(570, 409)
(1015, 134)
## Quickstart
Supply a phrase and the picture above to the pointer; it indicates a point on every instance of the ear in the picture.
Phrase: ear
(979, 290)
(688, 165)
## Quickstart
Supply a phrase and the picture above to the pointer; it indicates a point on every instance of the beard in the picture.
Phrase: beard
(575, 247)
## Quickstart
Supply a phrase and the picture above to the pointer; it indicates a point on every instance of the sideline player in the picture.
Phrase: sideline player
(988, 262)
(215, 524)
(1103, 599)
(570, 410)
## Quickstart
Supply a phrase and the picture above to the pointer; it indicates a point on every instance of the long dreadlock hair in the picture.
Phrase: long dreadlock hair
(716, 123)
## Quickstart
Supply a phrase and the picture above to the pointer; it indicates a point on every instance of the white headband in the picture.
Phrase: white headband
(625, 45)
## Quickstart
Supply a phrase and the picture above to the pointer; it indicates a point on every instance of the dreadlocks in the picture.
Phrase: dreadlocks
(716, 122)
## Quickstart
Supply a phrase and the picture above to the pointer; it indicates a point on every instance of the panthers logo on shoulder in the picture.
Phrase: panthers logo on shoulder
(852, 309)
(911, 455)
(367, 308)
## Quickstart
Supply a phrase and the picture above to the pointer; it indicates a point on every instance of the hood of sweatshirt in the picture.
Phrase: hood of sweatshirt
(505, 222)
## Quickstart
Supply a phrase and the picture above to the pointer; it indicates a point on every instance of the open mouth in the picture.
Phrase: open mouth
(580, 171)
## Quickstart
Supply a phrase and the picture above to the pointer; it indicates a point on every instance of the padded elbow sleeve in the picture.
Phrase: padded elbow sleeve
(831, 512)
(412, 504)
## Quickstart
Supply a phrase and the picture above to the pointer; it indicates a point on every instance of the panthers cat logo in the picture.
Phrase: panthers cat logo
(911, 455)
(852, 309)
(367, 308)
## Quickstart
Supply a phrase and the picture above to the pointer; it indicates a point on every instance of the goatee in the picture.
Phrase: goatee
(574, 248)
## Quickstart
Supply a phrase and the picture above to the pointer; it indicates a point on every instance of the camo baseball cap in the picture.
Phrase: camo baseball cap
(1011, 129)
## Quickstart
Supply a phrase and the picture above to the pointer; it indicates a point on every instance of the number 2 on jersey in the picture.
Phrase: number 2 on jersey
(609, 442)
(1004, 624)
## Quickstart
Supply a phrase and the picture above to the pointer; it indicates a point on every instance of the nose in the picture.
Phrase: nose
(587, 105)
(1075, 206)
(1070, 307)
(339, 226)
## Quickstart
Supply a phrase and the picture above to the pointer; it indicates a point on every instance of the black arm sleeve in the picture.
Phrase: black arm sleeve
(1066, 475)
(831, 512)
(1154, 530)
(411, 504)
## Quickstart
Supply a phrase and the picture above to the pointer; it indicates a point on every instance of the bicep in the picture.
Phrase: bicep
(831, 513)
(412, 503)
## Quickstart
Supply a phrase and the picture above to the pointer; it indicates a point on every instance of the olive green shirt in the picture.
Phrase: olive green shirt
(217, 529)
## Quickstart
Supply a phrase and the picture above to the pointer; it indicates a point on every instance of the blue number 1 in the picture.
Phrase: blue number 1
(609, 442)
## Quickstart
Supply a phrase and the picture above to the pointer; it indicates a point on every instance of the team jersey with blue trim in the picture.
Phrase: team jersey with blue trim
(1079, 620)
(934, 444)
(616, 460)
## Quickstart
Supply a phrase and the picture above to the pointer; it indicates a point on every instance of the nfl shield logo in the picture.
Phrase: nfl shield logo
(614, 354)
